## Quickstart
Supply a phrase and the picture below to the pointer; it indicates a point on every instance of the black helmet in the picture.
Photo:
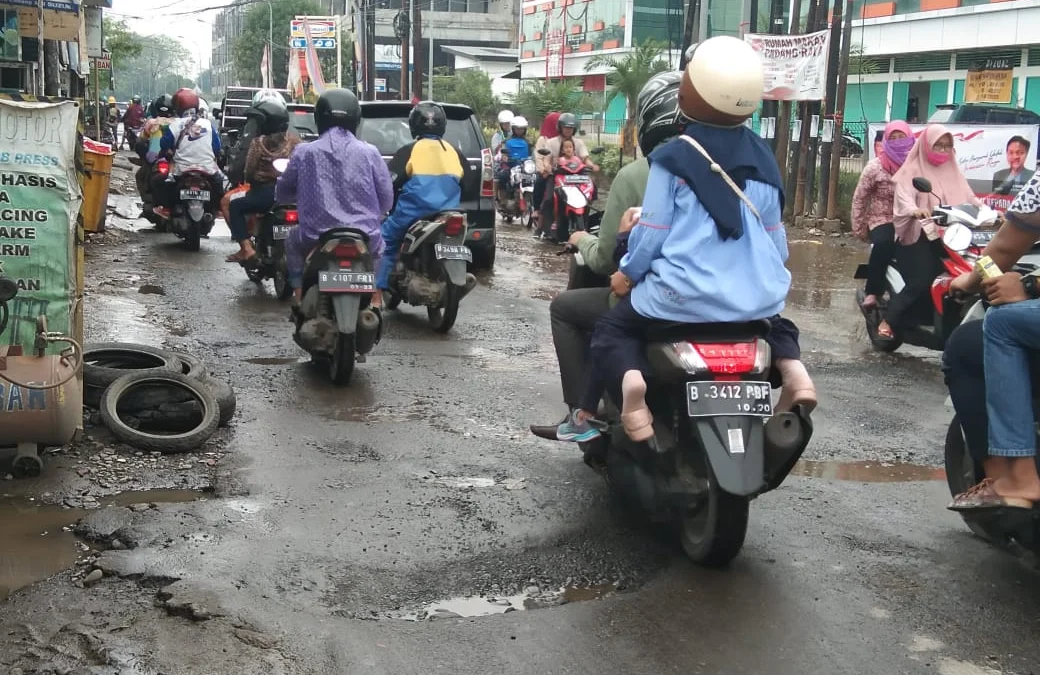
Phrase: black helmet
(657, 110)
(271, 116)
(567, 120)
(427, 119)
(163, 106)
(337, 108)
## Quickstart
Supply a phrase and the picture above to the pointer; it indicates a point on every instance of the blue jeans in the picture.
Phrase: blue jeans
(259, 199)
(1010, 333)
(394, 228)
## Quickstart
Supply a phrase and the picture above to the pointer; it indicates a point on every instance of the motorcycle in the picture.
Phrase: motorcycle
(431, 270)
(965, 231)
(518, 202)
(581, 275)
(272, 229)
(573, 192)
(192, 214)
(717, 442)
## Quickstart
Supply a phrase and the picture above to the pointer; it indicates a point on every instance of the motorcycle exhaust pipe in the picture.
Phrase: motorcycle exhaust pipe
(368, 327)
(784, 433)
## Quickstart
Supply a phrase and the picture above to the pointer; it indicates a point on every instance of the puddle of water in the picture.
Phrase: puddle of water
(277, 360)
(37, 539)
(117, 318)
(868, 472)
(481, 605)
(822, 272)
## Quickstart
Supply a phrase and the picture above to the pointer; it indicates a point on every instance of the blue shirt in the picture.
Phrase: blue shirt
(684, 271)
(519, 150)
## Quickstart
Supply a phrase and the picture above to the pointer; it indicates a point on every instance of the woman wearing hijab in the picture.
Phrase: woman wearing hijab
(544, 163)
(917, 256)
(992, 392)
(873, 201)
(703, 250)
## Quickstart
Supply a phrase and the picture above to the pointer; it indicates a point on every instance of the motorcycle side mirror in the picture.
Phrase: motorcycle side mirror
(280, 164)
(544, 152)
(922, 184)
(8, 289)
(957, 237)
(597, 151)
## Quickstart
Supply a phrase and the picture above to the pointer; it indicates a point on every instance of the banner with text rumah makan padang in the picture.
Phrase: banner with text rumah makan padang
(997, 160)
(39, 199)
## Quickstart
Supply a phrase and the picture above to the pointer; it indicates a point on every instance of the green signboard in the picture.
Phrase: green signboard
(39, 198)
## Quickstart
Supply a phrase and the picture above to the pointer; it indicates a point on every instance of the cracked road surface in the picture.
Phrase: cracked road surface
(328, 521)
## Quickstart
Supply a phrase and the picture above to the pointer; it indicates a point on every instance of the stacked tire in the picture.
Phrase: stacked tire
(155, 399)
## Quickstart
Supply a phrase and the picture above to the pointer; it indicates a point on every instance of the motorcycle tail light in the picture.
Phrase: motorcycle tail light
(163, 167)
(723, 358)
(454, 225)
(346, 251)
(292, 217)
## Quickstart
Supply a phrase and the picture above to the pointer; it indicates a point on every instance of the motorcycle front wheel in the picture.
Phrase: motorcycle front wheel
(282, 289)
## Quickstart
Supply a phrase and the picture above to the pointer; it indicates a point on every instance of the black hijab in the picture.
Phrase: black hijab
(740, 153)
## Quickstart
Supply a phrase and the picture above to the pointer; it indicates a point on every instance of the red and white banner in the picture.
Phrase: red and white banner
(795, 65)
(996, 160)
(313, 65)
(265, 67)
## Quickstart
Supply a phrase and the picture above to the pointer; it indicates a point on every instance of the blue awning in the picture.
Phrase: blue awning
(56, 5)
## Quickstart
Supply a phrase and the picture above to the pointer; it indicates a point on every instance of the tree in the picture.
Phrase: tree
(538, 98)
(248, 49)
(160, 67)
(859, 64)
(628, 75)
(123, 43)
(469, 87)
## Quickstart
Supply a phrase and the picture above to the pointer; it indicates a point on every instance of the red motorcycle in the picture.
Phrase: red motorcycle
(573, 194)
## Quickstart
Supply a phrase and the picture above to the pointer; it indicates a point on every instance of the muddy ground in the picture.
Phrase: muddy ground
(409, 523)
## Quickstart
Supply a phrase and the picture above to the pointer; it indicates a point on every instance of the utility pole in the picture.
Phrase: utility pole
(417, 50)
(807, 107)
(402, 29)
(370, 49)
(827, 146)
(839, 107)
(693, 19)
(771, 109)
(783, 123)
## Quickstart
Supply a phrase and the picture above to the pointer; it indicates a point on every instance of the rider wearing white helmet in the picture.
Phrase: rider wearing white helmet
(709, 245)
(515, 150)
(505, 119)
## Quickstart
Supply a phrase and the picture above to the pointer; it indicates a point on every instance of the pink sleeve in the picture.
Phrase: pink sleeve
(864, 192)
(908, 229)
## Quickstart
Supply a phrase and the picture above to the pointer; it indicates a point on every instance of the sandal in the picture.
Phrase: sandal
(983, 497)
(884, 331)
(240, 258)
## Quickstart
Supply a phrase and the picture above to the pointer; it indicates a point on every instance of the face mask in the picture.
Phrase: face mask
(938, 158)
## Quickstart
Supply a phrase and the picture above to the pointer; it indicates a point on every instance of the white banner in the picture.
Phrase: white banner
(994, 159)
(795, 65)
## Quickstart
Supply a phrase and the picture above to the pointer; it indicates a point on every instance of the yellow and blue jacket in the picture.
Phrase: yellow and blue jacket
(428, 175)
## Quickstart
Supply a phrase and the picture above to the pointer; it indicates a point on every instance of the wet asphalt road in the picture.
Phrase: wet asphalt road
(338, 514)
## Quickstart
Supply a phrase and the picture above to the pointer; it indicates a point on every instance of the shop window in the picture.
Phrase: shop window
(8, 47)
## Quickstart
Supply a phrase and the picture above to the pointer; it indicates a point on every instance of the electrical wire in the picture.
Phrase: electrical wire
(77, 351)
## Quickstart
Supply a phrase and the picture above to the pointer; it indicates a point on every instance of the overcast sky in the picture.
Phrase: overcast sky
(182, 20)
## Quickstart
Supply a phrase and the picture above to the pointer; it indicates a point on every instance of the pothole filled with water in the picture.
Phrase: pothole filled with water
(868, 471)
(487, 605)
(36, 540)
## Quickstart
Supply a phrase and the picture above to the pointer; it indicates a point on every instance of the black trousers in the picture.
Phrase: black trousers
(883, 237)
(919, 263)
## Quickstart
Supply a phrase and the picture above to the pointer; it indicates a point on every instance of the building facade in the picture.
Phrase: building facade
(558, 38)
(917, 53)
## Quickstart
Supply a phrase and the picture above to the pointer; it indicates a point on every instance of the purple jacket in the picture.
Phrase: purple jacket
(338, 181)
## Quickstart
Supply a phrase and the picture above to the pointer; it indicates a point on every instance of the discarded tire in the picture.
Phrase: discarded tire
(192, 366)
(106, 362)
(225, 395)
(152, 433)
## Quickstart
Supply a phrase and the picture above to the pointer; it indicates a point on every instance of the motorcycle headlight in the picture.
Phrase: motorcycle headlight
(529, 166)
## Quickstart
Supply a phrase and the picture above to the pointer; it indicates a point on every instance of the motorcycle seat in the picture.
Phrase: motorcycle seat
(672, 331)
(339, 232)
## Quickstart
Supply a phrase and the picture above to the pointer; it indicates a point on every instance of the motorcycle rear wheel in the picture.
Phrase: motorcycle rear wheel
(282, 288)
(713, 534)
(341, 365)
(443, 318)
(193, 237)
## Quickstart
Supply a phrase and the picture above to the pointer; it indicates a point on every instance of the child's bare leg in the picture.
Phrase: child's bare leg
(798, 388)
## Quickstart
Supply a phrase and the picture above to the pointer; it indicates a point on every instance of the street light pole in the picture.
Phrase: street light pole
(270, 43)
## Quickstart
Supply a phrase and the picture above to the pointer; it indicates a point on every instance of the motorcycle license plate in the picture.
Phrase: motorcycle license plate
(452, 252)
(711, 399)
(280, 232)
(197, 195)
(346, 282)
(571, 180)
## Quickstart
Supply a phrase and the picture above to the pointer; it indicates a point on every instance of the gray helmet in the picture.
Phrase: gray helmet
(567, 120)
(657, 110)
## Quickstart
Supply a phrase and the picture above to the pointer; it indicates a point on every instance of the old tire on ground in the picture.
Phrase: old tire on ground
(183, 441)
(225, 395)
(192, 366)
(106, 362)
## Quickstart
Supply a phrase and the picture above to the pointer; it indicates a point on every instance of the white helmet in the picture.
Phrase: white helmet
(505, 117)
(267, 95)
(519, 122)
(723, 82)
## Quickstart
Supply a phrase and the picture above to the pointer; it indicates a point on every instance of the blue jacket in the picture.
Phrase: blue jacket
(427, 177)
(684, 271)
(519, 150)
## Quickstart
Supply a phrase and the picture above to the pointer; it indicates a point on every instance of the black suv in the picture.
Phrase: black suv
(982, 113)
(384, 124)
(301, 121)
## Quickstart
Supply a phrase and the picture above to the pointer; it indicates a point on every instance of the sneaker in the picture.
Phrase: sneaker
(578, 432)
